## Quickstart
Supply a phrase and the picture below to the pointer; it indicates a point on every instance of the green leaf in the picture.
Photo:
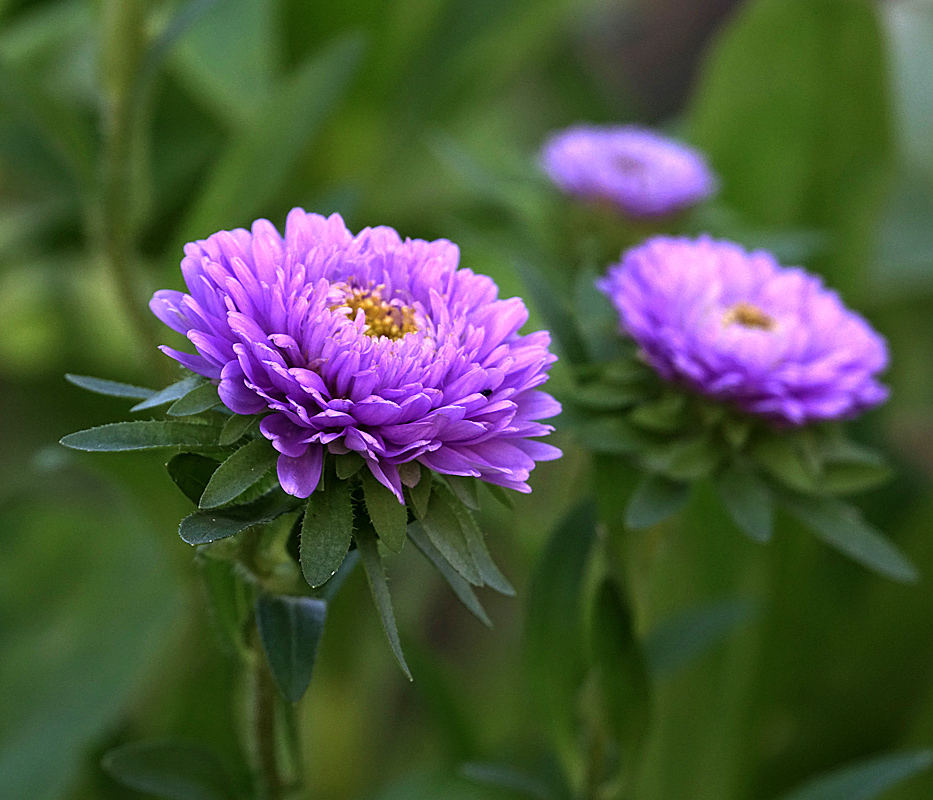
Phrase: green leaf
(842, 527)
(676, 641)
(235, 428)
(420, 494)
(460, 587)
(655, 499)
(330, 589)
(246, 467)
(348, 465)
(171, 770)
(611, 435)
(228, 599)
(109, 388)
(154, 434)
(443, 528)
(555, 312)
(466, 489)
(290, 630)
(865, 780)
(326, 532)
(191, 473)
(509, 779)
(203, 527)
(780, 459)
(170, 393)
(554, 663)
(682, 459)
(488, 571)
(666, 414)
(600, 397)
(748, 502)
(200, 398)
(500, 495)
(375, 574)
(388, 515)
(623, 675)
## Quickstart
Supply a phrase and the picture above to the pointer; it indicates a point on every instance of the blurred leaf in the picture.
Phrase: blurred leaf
(779, 458)
(326, 532)
(257, 161)
(204, 527)
(443, 528)
(245, 468)
(199, 399)
(748, 502)
(330, 589)
(388, 515)
(170, 393)
(290, 630)
(228, 600)
(655, 499)
(678, 640)
(500, 495)
(375, 575)
(609, 434)
(191, 473)
(109, 388)
(865, 781)
(554, 662)
(235, 428)
(683, 459)
(460, 587)
(600, 397)
(842, 527)
(171, 770)
(665, 414)
(502, 776)
(154, 434)
(853, 477)
(555, 312)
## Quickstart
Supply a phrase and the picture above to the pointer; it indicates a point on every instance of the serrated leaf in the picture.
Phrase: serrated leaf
(466, 489)
(748, 502)
(204, 527)
(109, 388)
(488, 571)
(388, 515)
(555, 666)
(170, 393)
(235, 428)
(842, 527)
(170, 770)
(326, 532)
(290, 630)
(366, 543)
(191, 473)
(348, 465)
(200, 398)
(420, 494)
(655, 499)
(243, 469)
(443, 528)
(460, 587)
(678, 640)
(866, 780)
(150, 435)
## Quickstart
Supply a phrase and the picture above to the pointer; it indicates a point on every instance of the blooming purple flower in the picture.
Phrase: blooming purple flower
(643, 173)
(738, 327)
(365, 344)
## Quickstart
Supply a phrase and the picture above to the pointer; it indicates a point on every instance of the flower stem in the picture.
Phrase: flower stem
(264, 734)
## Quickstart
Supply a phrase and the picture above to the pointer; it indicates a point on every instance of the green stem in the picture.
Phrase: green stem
(269, 783)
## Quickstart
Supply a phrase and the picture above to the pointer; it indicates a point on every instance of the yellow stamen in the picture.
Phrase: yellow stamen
(748, 316)
(382, 318)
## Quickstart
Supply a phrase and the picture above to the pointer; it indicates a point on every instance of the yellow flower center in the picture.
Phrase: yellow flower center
(748, 316)
(382, 318)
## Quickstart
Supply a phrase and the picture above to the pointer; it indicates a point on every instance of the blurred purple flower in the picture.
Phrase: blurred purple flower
(641, 172)
(738, 327)
(365, 344)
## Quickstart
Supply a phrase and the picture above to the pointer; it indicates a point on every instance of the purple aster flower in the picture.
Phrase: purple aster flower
(365, 344)
(643, 173)
(738, 327)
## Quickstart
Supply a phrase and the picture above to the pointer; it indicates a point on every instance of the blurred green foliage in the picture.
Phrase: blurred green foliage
(426, 115)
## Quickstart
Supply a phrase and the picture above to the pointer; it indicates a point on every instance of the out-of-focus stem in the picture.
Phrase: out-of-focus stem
(264, 733)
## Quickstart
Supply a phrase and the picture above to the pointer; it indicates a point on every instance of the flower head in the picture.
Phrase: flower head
(641, 172)
(738, 327)
(365, 344)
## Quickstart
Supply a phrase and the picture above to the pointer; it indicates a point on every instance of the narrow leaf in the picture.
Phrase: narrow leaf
(784, 462)
(118, 436)
(191, 473)
(170, 393)
(199, 399)
(171, 770)
(243, 469)
(204, 527)
(866, 780)
(466, 489)
(236, 428)
(500, 495)
(655, 499)
(420, 493)
(109, 388)
(555, 312)
(375, 574)
(748, 502)
(228, 600)
(460, 587)
(388, 515)
(488, 571)
(348, 465)
(290, 630)
(443, 528)
(326, 532)
(502, 776)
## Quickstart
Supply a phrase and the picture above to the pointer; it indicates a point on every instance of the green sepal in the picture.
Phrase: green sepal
(171, 770)
(191, 473)
(655, 499)
(388, 515)
(200, 398)
(109, 388)
(235, 428)
(367, 545)
(204, 527)
(244, 469)
(290, 630)
(326, 531)
(443, 528)
(170, 393)
(748, 502)
(148, 435)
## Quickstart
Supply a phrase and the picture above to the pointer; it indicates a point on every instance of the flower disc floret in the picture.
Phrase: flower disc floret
(366, 344)
(738, 327)
(641, 172)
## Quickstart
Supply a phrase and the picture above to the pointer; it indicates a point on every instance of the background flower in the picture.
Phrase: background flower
(641, 172)
(365, 344)
(740, 328)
